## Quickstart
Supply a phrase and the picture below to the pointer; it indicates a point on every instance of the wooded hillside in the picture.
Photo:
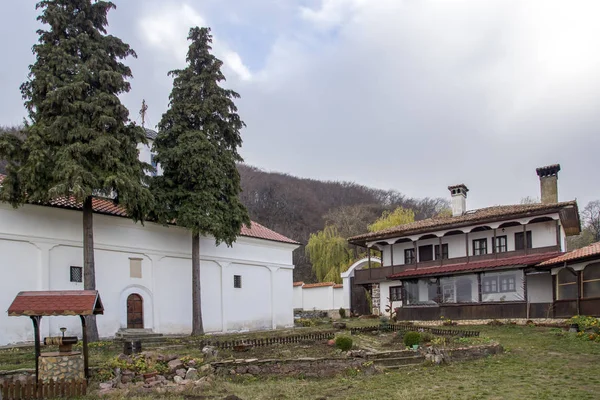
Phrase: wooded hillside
(297, 207)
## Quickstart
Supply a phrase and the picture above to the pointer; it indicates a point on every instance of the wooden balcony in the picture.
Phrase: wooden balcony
(375, 275)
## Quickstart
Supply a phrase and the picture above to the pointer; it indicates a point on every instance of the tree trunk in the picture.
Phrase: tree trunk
(89, 268)
(197, 328)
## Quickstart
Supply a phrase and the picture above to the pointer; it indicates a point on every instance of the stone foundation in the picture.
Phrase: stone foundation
(440, 355)
(375, 297)
(517, 321)
(301, 368)
(57, 366)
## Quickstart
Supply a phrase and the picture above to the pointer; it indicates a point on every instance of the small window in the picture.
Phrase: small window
(448, 293)
(507, 283)
(153, 163)
(444, 255)
(409, 256)
(237, 281)
(425, 253)
(520, 243)
(76, 274)
(489, 284)
(501, 246)
(479, 247)
(395, 293)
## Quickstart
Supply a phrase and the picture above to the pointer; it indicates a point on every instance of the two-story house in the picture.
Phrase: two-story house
(474, 264)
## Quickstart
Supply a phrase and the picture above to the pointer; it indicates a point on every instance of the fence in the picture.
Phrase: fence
(402, 327)
(17, 390)
(229, 344)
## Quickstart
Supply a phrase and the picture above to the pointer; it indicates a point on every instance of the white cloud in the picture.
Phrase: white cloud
(166, 29)
(331, 13)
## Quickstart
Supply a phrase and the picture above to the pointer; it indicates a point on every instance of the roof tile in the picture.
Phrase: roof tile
(527, 260)
(59, 302)
(587, 251)
(316, 285)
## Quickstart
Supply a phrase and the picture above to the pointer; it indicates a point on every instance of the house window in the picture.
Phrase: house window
(395, 293)
(566, 282)
(591, 281)
(135, 267)
(409, 256)
(507, 283)
(489, 284)
(448, 293)
(76, 274)
(520, 243)
(444, 255)
(425, 253)
(501, 246)
(479, 247)
(411, 291)
(237, 281)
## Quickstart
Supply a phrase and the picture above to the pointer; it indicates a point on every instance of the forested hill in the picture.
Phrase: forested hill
(297, 207)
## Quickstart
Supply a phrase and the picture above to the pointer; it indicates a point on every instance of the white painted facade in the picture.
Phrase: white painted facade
(39, 245)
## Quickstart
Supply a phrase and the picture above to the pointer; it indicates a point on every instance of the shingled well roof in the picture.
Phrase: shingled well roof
(59, 302)
(482, 215)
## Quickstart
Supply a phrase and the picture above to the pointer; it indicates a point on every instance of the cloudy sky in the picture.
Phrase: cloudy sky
(412, 95)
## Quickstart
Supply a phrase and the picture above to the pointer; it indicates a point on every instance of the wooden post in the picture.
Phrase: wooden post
(441, 252)
(467, 245)
(494, 244)
(578, 292)
(36, 332)
(558, 235)
(85, 348)
(391, 255)
(525, 293)
(525, 238)
(369, 256)
(480, 297)
(416, 253)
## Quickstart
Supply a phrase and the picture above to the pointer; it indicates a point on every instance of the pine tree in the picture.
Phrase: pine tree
(78, 140)
(196, 148)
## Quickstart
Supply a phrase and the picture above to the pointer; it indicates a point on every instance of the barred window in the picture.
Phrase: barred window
(237, 281)
(395, 293)
(76, 274)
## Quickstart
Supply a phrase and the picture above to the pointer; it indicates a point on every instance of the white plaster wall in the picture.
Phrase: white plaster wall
(318, 298)
(145, 153)
(39, 244)
(338, 298)
(539, 288)
(399, 252)
(384, 288)
(298, 296)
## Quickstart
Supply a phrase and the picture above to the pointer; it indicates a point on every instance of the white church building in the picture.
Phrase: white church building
(143, 272)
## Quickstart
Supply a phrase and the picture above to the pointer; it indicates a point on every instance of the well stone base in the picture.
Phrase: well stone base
(58, 366)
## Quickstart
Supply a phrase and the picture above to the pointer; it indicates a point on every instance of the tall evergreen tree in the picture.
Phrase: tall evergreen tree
(196, 148)
(78, 140)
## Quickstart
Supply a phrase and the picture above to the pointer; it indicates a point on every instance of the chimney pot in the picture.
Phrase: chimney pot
(549, 183)
(459, 199)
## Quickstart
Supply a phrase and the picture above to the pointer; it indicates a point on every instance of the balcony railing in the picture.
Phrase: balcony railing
(374, 275)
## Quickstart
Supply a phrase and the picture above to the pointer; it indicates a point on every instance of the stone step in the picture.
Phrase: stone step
(399, 361)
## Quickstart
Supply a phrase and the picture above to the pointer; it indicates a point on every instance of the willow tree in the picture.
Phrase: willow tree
(399, 216)
(196, 148)
(78, 141)
(329, 254)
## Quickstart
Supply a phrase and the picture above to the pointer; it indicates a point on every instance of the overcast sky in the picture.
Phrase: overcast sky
(413, 95)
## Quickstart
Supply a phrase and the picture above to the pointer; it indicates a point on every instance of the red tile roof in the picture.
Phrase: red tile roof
(587, 251)
(479, 216)
(316, 285)
(450, 269)
(298, 283)
(338, 286)
(51, 303)
(108, 207)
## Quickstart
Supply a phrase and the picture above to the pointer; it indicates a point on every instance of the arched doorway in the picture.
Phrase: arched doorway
(135, 311)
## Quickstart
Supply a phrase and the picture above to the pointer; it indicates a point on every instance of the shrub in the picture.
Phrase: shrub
(412, 338)
(584, 322)
(342, 312)
(426, 337)
(343, 343)
(495, 322)
(306, 322)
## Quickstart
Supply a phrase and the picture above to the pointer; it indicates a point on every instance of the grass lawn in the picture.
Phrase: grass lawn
(539, 364)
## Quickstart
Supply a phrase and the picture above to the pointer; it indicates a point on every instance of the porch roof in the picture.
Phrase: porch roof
(593, 250)
(57, 302)
(451, 269)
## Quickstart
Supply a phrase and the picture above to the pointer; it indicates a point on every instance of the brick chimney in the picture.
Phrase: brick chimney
(459, 199)
(549, 183)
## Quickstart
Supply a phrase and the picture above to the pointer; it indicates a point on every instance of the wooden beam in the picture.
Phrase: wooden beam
(579, 283)
(467, 245)
(441, 252)
(525, 293)
(86, 367)
(391, 255)
(525, 238)
(479, 295)
(36, 332)
(494, 244)
(416, 254)
(558, 235)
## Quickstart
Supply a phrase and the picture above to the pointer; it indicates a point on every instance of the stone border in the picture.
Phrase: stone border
(439, 355)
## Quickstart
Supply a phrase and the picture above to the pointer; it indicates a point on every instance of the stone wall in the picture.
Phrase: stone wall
(56, 367)
(517, 321)
(375, 298)
(301, 368)
(441, 355)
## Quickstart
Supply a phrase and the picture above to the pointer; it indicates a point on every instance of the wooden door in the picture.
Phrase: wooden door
(358, 299)
(135, 312)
